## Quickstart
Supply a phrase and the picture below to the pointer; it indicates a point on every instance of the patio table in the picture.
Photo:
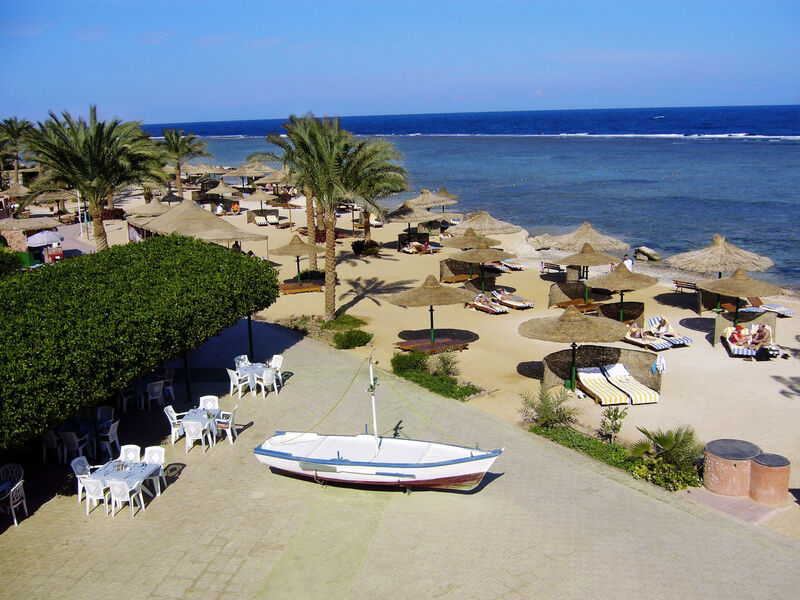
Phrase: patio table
(132, 473)
(201, 415)
(252, 370)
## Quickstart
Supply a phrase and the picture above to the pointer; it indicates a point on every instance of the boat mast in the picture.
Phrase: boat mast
(372, 383)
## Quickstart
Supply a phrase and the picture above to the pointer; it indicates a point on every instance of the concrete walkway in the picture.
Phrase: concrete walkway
(549, 523)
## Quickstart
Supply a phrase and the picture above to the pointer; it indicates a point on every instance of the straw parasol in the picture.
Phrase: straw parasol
(720, 257)
(445, 194)
(280, 177)
(153, 209)
(32, 224)
(484, 224)
(261, 196)
(621, 280)
(587, 257)
(222, 190)
(427, 199)
(469, 239)
(16, 190)
(587, 234)
(409, 213)
(572, 326)
(739, 285)
(480, 254)
(189, 218)
(298, 248)
(431, 294)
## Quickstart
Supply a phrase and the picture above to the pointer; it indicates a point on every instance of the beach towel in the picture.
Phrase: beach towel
(595, 383)
(619, 376)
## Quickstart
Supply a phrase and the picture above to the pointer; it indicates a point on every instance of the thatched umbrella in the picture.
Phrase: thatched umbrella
(469, 239)
(587, 234)
(409, 213)
(445, 194)
(189, 218)
(720, 257)
(16, 190)
(261, 196)
(572, 326)
(223, 189)
(621, 280)
(484, 224)
(298, 248)
(480, 254)
(739, 285)
(431, 294)
(32, 224)
(280, 177)
(587, 257)
(153, 209)
(427, 199)
(211, 170)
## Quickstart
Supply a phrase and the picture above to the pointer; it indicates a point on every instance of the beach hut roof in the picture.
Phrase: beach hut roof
(587, 234)
(297, 247)
(431, 293)
(621, 279)
(31, 224)
(587, 257)
(573, 326)
(739, 285)
(189, 218)
(482, 253)
(719, 257)
(153, 209)
(469, 239)
(484, 224)
(427, 199)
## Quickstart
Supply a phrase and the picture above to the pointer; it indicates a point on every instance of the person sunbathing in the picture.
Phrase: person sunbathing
(634, 331)
(760, 338)
(663, 329)
(482, 300)
(739, 337)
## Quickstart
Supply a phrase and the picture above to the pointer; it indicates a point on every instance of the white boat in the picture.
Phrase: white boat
(376, 461)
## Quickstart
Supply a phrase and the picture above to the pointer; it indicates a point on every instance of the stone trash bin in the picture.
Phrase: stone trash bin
(769, 479)
(727, 466)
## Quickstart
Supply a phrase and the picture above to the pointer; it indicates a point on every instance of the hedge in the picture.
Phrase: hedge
(74, 333)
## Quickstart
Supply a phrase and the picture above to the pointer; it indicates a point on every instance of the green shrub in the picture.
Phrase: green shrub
(546, 410)
(309, 274)
(666, 475)
(352, 338)
(10, 263)
(343, 321)
(611, 423)
(76, 332)
(403, 362)
(611, 454)
(444, 364)
(366, 248)
(676, 447)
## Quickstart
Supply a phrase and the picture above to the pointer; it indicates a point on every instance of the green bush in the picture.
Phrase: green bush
(76, 332)
(366, 248)
(343, 321)
(10, 263)
(403, 362)
(444, 364)
(547, 410)
(352, 338)
(309, 274)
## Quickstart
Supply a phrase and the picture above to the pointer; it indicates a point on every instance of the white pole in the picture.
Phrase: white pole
(372, 382)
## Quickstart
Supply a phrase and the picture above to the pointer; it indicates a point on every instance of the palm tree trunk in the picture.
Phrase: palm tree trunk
(330, 265)
(110, 200)
(367, 227)
(16, 166)
(100, 239)
(147, 194)
(312, 258)
(178, 183)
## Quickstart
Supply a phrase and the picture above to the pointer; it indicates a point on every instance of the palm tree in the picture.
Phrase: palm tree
(677, 446)
(96, 158)
(13, 132)
(178, 148)
(374, 174)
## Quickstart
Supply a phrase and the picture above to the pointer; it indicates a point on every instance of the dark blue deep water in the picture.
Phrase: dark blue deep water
(668, 178)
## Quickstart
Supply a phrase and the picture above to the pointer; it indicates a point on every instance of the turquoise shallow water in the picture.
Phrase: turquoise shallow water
(669, 193)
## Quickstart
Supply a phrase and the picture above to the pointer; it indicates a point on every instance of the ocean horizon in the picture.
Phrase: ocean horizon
(667, 178)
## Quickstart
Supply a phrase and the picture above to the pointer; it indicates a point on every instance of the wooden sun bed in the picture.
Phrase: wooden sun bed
(285, 225)
(295, 288)
(579, 304)
(458, 278)
(440, 345)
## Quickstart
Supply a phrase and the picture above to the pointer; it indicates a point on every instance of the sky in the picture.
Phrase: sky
(198, 60)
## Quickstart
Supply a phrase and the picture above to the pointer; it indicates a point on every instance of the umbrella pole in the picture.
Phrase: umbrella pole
(298, 270)
(585, 293)
(719, 300)
(621, 309)
(250, 336)
(433, 334)
(483, 283)
(736, 314)
(573, 368)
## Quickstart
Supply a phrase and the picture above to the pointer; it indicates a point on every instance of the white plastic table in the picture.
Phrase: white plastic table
(206, 418)
(252, 370)
(132, 473)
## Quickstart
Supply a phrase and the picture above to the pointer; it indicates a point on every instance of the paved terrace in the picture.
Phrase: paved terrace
(549, 523)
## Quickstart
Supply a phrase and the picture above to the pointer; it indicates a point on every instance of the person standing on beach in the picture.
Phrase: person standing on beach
(628, 262)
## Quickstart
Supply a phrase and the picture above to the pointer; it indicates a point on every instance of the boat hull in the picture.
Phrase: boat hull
(398, 463)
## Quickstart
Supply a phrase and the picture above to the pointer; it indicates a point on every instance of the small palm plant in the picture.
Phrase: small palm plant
(547, 410)
(677, 447)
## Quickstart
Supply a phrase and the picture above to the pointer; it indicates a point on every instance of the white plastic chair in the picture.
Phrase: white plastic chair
(50, 441)
(16, 497)
(82, 469)
(208, 402)
(155, 455)
(95, 492)
(130, 453)
(105, 413)
(109, 439)
(267, 378)
(125, 396)
(154, 393)
(237, 381)
(194, 431)
(241, 360)
(175, 425)
(121, 493)
(276, 363)
(74, 444)
(227, 424)
(169, 374)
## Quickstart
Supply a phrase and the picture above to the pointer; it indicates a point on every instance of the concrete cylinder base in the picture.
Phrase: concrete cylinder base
(727, 466)
(769, 479)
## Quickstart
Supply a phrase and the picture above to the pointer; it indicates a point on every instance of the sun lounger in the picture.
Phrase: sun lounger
(457, 278)
(496, 266)
(737, 350)
(619, 376)
(547, 267)
(776, 308)
(285, 225)
(273, 219)
(510, 300)
(260, 221)
(417, 248)
(483, 304)
(650, 342)
(592, 381)
(579, 305)
(295, 288)
(672, 337)
(512, 264)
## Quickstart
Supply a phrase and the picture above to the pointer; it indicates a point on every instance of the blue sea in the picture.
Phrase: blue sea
(668, 178)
